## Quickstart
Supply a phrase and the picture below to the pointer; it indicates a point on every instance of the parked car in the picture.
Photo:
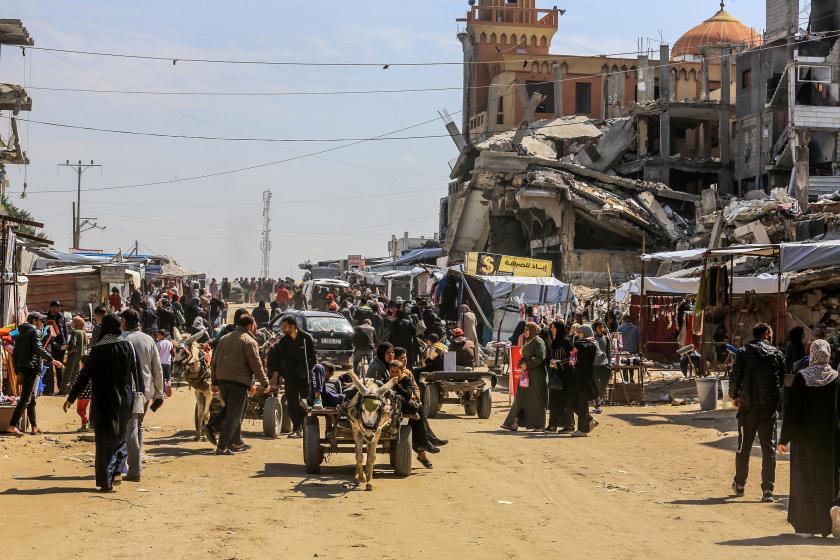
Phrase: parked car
(315, 291)
(332, 332)
(236, 293)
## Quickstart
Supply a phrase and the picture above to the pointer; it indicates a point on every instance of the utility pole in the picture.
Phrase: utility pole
(265, 244)
(78, 221)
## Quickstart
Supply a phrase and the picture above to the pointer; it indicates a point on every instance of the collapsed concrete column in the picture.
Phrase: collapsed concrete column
(605, 94)
(725, 178)
(665, 114)
(558, 90)
(644, 86)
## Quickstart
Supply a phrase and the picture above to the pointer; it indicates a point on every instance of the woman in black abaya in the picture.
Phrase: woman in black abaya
(111, 369)
(811, 430)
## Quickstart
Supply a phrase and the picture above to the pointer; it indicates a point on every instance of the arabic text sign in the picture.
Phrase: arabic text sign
(112, 274)
(489, 264)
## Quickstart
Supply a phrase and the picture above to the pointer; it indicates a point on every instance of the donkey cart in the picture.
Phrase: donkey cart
(468, 388)
(272, 409)
(338, 438)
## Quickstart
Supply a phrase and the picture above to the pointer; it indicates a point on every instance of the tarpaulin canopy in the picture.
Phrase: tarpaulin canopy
(530, 291)
(675, 256)
(794, 256)
(420, 255)
(760, 284)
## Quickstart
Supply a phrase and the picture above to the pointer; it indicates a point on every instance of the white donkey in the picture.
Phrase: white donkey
(369, 412)
(190, 363)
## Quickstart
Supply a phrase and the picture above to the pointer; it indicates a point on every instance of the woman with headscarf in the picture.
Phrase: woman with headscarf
(111, 370)
(811, 430)
(586, 388)
(529, 405)
(402, 335)
(561, 387)
(378, 368)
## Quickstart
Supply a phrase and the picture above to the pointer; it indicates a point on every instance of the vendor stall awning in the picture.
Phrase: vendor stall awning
(761, 284)
(795, 256)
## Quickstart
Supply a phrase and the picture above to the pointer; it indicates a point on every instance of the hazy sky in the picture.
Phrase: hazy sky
(345, 202)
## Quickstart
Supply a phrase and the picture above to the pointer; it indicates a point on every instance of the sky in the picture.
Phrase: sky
(348, 201)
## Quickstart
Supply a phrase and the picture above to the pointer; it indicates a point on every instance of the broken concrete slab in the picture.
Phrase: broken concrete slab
(648, 201)
(619, 137)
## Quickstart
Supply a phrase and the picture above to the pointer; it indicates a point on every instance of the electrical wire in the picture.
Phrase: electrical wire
(555, 58)
(239, 169)
(360, 141)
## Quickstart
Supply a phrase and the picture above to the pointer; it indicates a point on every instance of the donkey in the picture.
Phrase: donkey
(369, 412)
(190, 362)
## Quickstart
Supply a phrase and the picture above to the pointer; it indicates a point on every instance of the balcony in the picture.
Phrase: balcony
(513, 16)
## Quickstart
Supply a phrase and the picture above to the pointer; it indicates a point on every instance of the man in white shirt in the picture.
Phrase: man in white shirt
(148, 360)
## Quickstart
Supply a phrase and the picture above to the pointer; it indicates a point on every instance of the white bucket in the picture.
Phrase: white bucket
(724, 389)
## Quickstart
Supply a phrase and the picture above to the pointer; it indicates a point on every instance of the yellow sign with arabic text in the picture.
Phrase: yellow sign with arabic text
(489, 264)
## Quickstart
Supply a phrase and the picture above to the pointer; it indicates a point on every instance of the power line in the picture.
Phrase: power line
(216, 125)
(554, 58)
(241, 169)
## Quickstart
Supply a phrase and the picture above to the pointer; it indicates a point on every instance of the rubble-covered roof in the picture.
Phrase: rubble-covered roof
(540, 139)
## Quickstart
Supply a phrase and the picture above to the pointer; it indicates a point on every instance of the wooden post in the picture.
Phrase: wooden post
(642, 321)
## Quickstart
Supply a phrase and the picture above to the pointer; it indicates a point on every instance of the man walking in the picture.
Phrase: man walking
(27, 357)
(235, 367)
(148, 361)
(292, 358)
(755, 383)
(364, 337)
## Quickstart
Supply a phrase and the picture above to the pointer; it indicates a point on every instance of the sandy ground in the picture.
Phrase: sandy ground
(651, 482)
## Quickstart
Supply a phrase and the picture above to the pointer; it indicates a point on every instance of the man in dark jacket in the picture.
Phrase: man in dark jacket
(27, 357)
(364, 343)
(755, 387)
(292, 358)
(260, 314)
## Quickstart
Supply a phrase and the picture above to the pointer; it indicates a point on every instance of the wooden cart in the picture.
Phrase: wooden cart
(467, 388)
(338, 438)
(271, 409)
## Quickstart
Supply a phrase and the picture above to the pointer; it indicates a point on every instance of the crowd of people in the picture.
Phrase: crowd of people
(123, 368)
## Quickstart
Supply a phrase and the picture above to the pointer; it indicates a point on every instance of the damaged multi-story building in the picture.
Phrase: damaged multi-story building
(585, 160)
(13, 98)
(788, 103)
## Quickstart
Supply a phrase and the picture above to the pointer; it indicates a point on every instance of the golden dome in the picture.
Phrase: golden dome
(722, 27)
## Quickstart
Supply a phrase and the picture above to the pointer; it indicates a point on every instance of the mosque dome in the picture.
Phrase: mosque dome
(721, 28)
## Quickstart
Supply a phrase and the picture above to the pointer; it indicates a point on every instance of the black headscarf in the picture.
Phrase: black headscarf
(560, 327)
(382, 349)
(111, 325)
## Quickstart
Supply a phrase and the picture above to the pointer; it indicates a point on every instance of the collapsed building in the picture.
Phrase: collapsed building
(588, 161)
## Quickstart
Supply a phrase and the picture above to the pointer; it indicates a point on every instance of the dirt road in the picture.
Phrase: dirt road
(651, 482)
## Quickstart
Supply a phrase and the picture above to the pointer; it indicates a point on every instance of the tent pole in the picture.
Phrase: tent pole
(779, 302)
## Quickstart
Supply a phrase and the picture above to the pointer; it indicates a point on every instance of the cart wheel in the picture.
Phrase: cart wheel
(401, 455)
(312, 444)
(285, 419)
(431, 400)
(271, 417)
(471, 407)
(485, 404)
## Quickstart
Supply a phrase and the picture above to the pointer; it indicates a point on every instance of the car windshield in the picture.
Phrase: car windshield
(324, 324)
